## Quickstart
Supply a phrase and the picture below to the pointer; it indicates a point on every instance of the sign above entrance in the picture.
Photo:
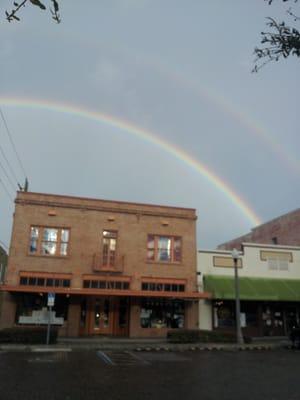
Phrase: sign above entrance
(51, 299)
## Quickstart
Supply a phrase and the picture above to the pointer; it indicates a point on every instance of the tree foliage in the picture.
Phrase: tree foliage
(53, 7)
(279, 41)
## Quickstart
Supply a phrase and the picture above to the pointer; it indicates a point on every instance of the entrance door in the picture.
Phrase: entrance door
(121, 317)
(101, 316)
(108, 316)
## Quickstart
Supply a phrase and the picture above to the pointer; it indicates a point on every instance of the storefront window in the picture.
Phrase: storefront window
(32, 309)
(159, 313)
(225, 314)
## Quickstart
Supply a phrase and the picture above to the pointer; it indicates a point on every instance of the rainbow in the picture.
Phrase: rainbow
(142, 134)
(253, 126)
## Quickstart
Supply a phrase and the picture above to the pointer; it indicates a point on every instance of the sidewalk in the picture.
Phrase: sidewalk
(126, 344)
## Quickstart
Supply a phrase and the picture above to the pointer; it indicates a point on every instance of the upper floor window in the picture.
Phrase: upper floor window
(48, 241)
(109, 248)
(164, 248)
(277, 260)
(278, 264)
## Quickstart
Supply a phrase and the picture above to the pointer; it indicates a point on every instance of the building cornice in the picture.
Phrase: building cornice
(109, 208)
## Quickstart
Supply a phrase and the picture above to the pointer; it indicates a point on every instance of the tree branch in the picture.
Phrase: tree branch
(281, 43)
(12, 15)
(54, 11)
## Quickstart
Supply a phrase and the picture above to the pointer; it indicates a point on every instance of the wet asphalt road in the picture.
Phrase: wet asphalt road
(267, 375)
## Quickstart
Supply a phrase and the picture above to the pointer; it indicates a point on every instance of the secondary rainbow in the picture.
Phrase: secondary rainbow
(199, 88)
(143, 134)
(252, 125)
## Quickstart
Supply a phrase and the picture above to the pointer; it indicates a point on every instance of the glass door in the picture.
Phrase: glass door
(101, 321)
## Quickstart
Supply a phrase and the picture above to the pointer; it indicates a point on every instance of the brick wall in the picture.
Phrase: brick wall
(86, 219)
(284, 230)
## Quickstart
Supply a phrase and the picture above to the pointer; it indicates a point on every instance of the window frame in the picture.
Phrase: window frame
(156, 249)
(34, 279)
(112, 232)
(278, 264)
(40, 241)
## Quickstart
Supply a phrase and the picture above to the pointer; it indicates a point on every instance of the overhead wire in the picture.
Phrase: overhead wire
(8, 177)
(9, 166)
(6, 190)
(12, 142)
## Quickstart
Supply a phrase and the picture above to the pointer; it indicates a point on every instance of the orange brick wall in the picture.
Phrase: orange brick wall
(86, 219)
(133, 223)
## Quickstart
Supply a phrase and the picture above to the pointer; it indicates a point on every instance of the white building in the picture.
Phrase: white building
(269, 277)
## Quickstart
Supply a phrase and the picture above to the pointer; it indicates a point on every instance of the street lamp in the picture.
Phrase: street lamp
(239, 336)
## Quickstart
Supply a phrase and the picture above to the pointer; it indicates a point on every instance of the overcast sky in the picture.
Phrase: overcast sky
(181, 70)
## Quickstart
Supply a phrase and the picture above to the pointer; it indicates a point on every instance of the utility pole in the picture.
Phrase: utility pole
(239, 336)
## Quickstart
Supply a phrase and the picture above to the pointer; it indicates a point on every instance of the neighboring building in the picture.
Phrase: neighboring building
(284, 230)
(269, 278)
(3, 264)
(116, 268)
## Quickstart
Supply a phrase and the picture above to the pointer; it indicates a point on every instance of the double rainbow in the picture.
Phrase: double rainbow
(142, 134)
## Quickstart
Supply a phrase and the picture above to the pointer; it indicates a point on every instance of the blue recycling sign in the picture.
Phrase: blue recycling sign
(51, 299)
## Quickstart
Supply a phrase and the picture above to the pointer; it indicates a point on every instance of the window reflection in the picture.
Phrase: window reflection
(164, 248)
(162, 313)
(109, 248)
(49, 241)
(34, 235)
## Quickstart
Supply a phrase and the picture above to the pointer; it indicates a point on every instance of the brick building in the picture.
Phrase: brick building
(116, 268)
(283, 230)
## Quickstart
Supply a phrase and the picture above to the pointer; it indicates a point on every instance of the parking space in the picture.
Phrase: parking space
(90, 375)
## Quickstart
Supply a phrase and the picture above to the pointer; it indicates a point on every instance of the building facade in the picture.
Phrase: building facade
(3, 264)
(284, 230)
(116, 268)
(269, 278)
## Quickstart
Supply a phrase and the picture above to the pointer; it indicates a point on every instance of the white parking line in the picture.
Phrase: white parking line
(105, 358)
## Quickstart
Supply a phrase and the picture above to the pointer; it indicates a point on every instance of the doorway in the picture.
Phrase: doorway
(108, 316)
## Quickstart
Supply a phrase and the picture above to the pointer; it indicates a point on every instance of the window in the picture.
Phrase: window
(109, 248)
(161, 313)
(49, 241)
(164, 248)
(163, 287)
(278, 264)
(105, 284)
(41, 281)
(31, 309)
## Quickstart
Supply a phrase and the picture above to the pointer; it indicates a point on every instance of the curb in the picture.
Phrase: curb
(145, 348)
(33, 349)
(209, 348)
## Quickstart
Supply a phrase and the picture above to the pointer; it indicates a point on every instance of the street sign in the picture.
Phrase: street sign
(51, 299)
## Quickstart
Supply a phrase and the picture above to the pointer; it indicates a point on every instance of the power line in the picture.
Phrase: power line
(6, 191)
(12, 143)
(7, 162)
(8, 177)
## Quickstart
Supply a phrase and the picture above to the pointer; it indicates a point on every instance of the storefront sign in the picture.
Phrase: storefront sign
(51, 299)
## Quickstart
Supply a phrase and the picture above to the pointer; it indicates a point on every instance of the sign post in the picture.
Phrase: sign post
(50, 304)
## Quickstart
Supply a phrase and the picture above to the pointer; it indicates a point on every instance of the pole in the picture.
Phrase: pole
(49, 325)
(239, 335)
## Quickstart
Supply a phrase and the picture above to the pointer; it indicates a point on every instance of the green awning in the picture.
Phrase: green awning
(222, 287)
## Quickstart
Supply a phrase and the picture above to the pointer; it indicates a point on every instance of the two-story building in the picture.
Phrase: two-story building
(269, 278)
(116, 268)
